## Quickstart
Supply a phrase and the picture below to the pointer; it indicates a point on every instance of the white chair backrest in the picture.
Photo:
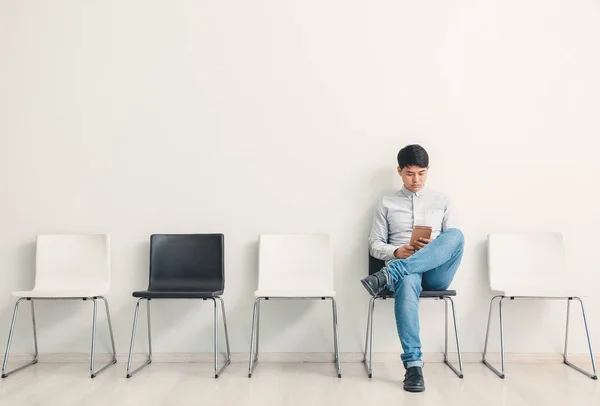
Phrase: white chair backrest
(72, 261)
(295, 262)
(529, 260)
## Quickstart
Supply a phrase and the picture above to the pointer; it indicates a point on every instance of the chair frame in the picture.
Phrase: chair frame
(254, 338)
(93, 373)
(368, 353)
(566, 361)
(217, 370)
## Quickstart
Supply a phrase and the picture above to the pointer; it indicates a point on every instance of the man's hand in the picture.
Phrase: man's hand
(421, 242)
(404, 252)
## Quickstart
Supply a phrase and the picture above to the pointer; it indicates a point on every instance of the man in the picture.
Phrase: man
(431, 264)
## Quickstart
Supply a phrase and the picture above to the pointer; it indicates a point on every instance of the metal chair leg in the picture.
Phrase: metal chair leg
(228, 354)
(257, 347)
(459, 371)
(149, 330)
(35, 343)
(216, 337)
(368, 360)
(254, 338)
(131, 345)
(5, 374)
(93, 352)
(484, 360)
(94, 323)
(587, 333)
(364, 360)
(445, 329)
(336, 338)
(110, 329)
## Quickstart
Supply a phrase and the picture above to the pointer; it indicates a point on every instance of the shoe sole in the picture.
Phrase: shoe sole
(414, 388)
(368, 288)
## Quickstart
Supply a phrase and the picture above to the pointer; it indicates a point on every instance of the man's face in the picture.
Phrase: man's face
(413, 177)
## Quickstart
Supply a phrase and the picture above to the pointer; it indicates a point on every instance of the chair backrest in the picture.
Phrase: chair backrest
(72, 261)
(187, 262)
(295, 262)
(527, 260)
(375, 264)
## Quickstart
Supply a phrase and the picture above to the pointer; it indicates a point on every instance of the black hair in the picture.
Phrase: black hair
(413, 155)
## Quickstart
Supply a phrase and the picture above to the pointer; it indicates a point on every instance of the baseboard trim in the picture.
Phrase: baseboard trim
(288, 357)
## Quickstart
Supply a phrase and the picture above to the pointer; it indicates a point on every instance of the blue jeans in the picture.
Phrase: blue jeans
(431, 268)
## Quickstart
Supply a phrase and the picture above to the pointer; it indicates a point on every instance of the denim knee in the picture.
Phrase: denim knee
(456, 236)
(408, 287)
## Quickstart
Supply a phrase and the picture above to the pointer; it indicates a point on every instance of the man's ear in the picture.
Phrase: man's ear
(399, 171)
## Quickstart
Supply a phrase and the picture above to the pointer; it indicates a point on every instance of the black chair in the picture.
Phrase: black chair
(445, 295)
(184, 266)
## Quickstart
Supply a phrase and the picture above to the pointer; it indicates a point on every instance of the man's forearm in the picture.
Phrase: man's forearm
(381, 250)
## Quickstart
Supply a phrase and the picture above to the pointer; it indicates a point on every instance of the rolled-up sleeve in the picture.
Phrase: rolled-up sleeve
(451, 219)
(378, 239)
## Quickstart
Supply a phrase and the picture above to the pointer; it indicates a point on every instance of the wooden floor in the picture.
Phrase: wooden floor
(172, 384)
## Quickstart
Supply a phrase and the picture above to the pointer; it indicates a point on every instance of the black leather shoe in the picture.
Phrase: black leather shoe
(413, 380)
(375, 283)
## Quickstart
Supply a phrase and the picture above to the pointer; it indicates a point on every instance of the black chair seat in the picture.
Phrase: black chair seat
(437, 293)
(176, 294)
(386, 294)
(376, 265)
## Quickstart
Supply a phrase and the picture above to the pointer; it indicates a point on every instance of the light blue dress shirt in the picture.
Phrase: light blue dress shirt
(396, 215)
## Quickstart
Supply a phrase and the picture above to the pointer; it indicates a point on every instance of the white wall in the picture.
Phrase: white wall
(243, 117)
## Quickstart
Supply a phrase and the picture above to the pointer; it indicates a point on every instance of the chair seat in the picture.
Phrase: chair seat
(294, 293)
(424, 294)
(437, 293)
(542, 291)
(60, 293)
(163, 294)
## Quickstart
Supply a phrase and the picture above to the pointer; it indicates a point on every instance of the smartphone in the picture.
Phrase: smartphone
(420, 232)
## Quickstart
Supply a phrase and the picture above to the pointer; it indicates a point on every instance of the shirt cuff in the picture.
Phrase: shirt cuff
(389, 255)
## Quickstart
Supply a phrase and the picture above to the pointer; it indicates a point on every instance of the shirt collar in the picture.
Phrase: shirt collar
(410, 194)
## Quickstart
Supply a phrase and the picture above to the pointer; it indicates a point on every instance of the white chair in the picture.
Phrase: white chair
(68, 267)
(293, 266)
(531, 266)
